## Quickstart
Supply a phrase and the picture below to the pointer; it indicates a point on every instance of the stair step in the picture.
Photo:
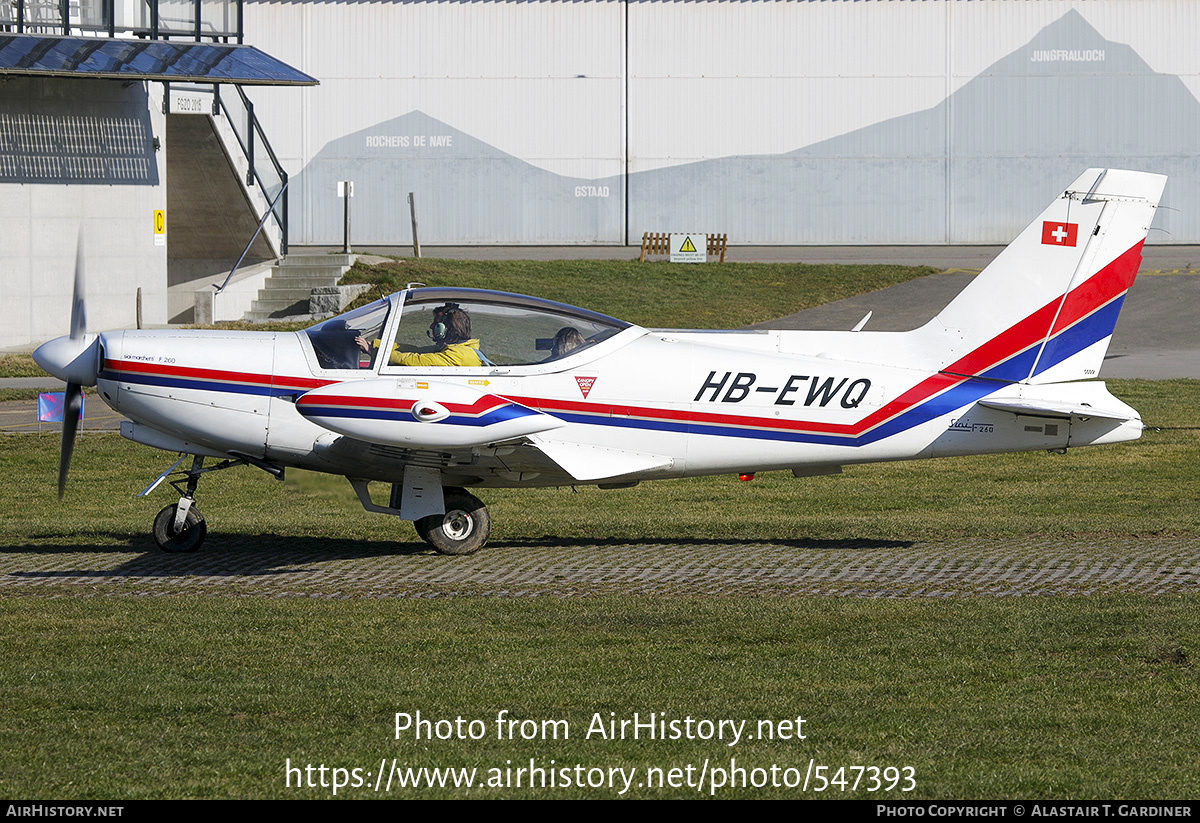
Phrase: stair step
(266, 316)
(305, 260)
(279, 308)
(284, 296)
(277, 282)
(307, 271)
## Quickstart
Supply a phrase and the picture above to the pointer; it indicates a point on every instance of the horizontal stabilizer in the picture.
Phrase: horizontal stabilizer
(1088, 399)
(586, 462)
(1051, 408)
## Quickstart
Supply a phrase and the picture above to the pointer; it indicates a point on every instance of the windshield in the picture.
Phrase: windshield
(339, 341)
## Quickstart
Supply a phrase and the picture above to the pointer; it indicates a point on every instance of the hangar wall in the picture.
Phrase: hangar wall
(788, 122)
(78, 153)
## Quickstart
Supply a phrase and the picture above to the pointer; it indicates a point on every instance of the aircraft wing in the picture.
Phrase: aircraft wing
(586, 462)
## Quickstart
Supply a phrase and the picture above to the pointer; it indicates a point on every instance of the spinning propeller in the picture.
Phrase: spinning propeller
(72, 359)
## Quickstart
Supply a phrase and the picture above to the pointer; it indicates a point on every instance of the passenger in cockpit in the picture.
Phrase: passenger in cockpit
(567, 340)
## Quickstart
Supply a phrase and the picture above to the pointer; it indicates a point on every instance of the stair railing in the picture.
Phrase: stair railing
(257, 231)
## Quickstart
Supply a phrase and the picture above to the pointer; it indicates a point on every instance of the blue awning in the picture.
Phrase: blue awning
(168, 60)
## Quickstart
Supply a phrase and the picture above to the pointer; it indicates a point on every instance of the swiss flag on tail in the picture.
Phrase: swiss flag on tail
(1059, 234)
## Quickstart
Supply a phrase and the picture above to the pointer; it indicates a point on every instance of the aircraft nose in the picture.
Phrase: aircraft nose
(72, 360)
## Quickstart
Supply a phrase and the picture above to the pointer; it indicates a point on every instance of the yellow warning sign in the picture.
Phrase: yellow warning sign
(686, 250)
(160, 227)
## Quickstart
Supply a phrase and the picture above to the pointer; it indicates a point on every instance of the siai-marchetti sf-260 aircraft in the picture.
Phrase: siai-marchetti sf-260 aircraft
(517, 391)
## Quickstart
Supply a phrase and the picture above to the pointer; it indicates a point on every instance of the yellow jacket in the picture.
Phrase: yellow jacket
(465, 353)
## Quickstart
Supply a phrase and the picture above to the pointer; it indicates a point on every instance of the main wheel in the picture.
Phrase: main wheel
(463, 529)
(189, 539)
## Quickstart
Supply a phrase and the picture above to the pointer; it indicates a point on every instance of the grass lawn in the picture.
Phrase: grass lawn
(126, 698)
(728, 295)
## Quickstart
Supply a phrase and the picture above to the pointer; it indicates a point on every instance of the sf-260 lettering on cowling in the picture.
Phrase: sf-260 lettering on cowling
(435, 391)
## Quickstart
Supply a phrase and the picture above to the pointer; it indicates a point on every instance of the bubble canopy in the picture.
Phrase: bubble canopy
(511, 329)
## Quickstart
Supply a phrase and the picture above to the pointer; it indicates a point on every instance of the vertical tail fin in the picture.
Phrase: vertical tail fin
(1044, 310)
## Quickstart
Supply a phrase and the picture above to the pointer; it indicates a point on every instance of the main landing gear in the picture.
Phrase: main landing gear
(449, 518)
(463, 529)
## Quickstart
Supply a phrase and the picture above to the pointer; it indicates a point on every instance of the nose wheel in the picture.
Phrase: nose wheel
(463, 529)
(171, 537)
(180, 527)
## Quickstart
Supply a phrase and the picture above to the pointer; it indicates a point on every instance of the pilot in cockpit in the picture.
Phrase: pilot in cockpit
(450, 330)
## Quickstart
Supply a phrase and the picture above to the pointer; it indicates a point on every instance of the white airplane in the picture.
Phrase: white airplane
(995, 371)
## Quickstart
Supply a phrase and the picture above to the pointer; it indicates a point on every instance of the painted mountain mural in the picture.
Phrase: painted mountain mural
(968, 170)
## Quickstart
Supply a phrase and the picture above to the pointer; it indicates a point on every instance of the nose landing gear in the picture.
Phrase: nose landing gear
(180, 527)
